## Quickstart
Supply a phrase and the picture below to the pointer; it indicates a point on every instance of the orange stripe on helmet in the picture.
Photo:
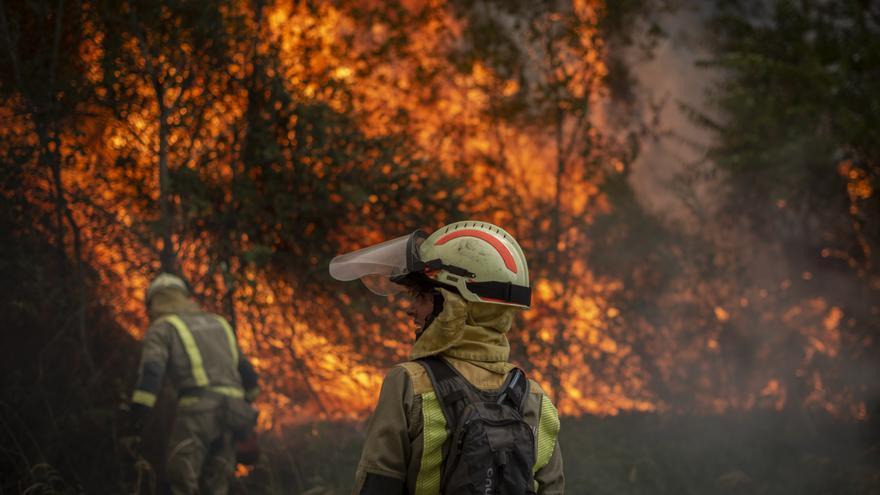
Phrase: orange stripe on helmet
(505, 253)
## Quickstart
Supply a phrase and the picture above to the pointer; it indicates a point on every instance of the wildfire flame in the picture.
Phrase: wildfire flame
(310, 350)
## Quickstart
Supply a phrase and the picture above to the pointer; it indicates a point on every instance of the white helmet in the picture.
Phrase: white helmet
(166, 281)
(480, 260)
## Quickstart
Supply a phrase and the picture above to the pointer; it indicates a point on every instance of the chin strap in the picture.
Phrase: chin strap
(438, 308)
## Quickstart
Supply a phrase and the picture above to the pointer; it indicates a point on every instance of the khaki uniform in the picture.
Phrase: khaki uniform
(405, 436)
(199, 355)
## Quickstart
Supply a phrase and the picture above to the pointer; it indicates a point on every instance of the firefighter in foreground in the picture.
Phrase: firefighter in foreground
(215, 384)
(459, 418)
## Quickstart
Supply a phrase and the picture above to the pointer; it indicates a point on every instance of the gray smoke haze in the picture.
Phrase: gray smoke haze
(667, 80)
(674, 181)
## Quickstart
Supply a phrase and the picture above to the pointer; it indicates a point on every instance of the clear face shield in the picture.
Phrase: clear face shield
(378, 266)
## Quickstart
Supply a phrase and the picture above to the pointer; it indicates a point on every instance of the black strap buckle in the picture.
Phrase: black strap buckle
(455, 270)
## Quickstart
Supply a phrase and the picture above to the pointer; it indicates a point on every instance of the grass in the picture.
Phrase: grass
(754, 453)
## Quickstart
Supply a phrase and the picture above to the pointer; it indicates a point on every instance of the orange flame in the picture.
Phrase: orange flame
(311, 352)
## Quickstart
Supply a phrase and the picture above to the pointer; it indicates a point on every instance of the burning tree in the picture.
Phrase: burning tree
(249, 142)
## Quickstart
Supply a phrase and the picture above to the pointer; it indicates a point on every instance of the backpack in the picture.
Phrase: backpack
(489, 448)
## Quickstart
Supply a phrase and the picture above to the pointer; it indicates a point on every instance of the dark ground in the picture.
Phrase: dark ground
(639, 454)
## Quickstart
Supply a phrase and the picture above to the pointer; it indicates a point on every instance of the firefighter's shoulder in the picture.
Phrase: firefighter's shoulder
(421, 382)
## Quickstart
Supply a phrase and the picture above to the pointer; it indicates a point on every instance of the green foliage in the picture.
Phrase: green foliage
(796, 116)
(800, 94)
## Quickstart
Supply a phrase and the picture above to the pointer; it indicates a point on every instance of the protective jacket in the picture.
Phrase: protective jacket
(405, 436)
(198, 353)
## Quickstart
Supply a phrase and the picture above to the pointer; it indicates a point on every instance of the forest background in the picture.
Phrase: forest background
(694, 185)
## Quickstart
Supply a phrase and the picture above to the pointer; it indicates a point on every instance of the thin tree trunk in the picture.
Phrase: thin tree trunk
(168, 255)
(229, 296)
(51, 159)
(81, 289)
(51, 156)
(231, 234)
(559, 334)
(557, 200)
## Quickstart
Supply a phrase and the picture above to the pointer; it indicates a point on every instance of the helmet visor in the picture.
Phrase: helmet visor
(377, 265)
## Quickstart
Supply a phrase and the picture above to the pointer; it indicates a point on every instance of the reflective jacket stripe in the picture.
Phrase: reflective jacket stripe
(143, 397)
(227, 391)
(434, 434)
(192, 350)
(230, 336)
(548, 429)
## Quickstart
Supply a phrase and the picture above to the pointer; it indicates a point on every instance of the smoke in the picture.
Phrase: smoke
(769, 287)
(673, 146)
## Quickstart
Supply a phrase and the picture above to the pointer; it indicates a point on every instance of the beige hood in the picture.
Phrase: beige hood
(471, 331)
(171, 301)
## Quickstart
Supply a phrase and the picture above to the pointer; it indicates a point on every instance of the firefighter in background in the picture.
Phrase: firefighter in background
(465, 284)
(215, 384)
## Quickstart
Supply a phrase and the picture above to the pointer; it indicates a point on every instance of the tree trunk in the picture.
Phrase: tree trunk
(50, 151)
(229, 296)
(556, 260)
(49, 155)
(168, 256)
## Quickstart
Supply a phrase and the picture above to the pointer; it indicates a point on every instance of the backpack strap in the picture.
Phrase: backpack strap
(450, 386)
(515, 389)
(446, 383)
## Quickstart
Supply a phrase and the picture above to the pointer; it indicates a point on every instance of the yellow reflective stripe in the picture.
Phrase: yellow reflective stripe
(143, 397)
(548, 429)
(230, 336)
(228, 391)
(188, 401)
(434, 434)
(192, 350)
(235, 392)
